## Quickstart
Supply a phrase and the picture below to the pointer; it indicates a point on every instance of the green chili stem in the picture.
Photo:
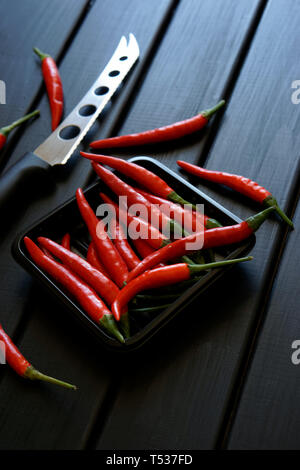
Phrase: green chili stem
(149, 309)
(271, 201)
(256, 220)
(41, 54)
(209, 112)
(195, 268)
(7, 129)
(33, 374)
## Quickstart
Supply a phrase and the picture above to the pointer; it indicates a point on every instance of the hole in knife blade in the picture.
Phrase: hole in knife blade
(101, 90)
(69, 132)
(124, 57)
(114, 73)
(87, 110)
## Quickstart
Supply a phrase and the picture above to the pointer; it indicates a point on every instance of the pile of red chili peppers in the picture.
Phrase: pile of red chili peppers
(121, 277)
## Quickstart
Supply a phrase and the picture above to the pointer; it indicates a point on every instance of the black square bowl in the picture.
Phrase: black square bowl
(66, 218)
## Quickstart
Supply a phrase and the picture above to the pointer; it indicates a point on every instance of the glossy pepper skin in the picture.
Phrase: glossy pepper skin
(160, 134)
(66, 241)
(155, 238)
(123, 246)
(142, 247)
(54, 86)
(120, 188)
(212, 238)
(5, 131)
(104, 286)
(108, 254)
(191, 218)
(238, 183)
(164, 276)
(87, 298)
(22, 367)
(93, 259)
(141, 175)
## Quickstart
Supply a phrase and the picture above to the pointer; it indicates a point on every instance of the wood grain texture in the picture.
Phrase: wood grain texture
(174, 392)
(42, 417)
(268, 414)
(24, 25)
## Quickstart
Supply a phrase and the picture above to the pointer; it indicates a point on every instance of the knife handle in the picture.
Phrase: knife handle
(22, 180)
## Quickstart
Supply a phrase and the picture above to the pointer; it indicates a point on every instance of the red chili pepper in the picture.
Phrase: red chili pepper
(106, 288)
(240, 184)
(4, 131)
(122, 245)
(108, 254)
(144, 177)
(164, 276)
(211, 238)
(161, 134)
(87, 298)
(142, 247)
(152, 235)
(93, 259)
(66, 241)
(189, 218)
(22, 367)
(152, 213)
(53, 85)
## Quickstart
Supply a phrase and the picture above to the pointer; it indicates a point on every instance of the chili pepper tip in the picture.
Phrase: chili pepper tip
(108, 322)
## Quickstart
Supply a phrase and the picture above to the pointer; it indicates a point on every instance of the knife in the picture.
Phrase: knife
(34, 168)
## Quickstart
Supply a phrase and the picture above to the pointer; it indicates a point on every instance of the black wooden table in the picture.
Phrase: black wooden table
(228, 382)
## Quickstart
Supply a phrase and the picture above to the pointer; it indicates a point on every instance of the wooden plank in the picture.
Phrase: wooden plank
(42, 417)
(20, 69)
(175, 391)
(268, 413)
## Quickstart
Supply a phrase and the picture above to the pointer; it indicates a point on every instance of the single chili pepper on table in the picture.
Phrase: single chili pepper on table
(147, 179)
(93, 259)
(107, 252)
(104, 286)
(87, 298)
(154, 237)
(22, 367)
(211, 238)
(160, 134)
(240, 184)
(163, 277)
(122, 245)
(53, 85)
(120, 188)
(4, 131)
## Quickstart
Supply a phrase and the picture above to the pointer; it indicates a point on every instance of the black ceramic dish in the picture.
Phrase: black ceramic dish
(66, 218)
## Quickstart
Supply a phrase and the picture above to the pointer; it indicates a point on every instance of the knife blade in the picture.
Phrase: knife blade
(59, 146)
